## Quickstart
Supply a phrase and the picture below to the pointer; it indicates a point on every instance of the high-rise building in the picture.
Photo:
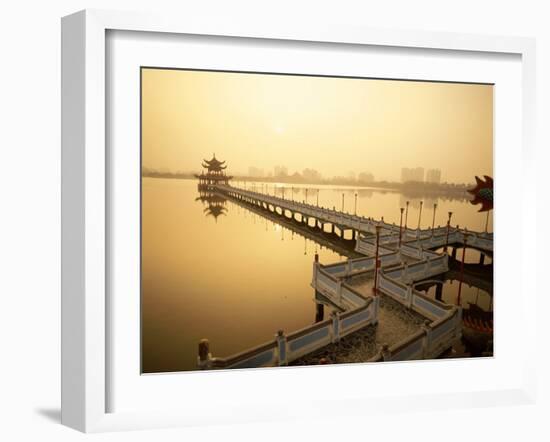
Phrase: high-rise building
(433, 176)
(311, 175)
(280, 171)
(365, 177)
(255, 172)
(412, 174)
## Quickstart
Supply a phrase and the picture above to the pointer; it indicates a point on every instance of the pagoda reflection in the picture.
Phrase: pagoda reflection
(213, 174)
(216, 204)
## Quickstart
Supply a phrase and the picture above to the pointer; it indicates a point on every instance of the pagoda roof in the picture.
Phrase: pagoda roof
(214, 164)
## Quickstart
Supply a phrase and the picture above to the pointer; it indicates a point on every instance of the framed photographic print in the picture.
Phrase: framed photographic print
(255, 217)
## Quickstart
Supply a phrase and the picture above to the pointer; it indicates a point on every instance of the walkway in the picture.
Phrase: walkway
(362, 228)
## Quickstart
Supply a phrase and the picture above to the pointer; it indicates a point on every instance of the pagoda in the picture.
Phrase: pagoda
(215, 173)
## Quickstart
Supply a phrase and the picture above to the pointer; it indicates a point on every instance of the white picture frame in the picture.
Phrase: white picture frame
(86, 205)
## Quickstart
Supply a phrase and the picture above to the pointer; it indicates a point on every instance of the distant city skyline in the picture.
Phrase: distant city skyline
(418, 174)
(282, 174)
(335, 126)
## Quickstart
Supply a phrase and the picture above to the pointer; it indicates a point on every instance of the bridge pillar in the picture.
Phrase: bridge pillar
(319, 312)
(453, 252)
(439, 291)
(481, 258)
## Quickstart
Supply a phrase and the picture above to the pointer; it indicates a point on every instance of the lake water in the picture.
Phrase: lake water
(237, 278)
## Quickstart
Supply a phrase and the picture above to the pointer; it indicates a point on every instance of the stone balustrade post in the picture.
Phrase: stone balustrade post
(339, 292)
(204, 360)
(458, 324)
(427, 341)
(376, 308)
(335, 316)
(410, 295)
(280, 340)
(386, 355)
(315, 271)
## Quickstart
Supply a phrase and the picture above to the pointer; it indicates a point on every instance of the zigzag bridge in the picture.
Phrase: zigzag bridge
(406, 258)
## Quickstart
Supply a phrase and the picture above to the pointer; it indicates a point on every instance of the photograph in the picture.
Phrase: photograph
(236, 221)
(292, 219)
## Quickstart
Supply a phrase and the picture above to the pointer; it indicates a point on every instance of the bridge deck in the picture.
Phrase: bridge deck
(327, 240)
(326, 215)
(395, 323)
(426, 238)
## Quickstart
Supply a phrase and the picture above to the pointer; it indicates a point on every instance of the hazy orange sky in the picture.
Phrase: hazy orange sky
(334, 125)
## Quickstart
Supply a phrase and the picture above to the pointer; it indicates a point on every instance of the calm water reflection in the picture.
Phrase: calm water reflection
(213, 269)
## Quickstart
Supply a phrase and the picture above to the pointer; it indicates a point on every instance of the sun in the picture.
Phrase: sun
(279, 130)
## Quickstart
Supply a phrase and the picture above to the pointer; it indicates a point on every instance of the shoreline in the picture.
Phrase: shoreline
(414, 192)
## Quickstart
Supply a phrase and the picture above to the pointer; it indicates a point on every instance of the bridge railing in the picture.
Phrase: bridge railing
(264, 355)
(286, 348)
(397, 284)
(350, 221)
(433, 339)
(356, 266)
(444, 325)
(327, 284)
(411, 348)
(337, 268)
(411, 250)
(475, 239)
(332, 285)
(418, 249)
(427, 267)
(330, 280)
(441, 332)
(481, 240)
(367, 247)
